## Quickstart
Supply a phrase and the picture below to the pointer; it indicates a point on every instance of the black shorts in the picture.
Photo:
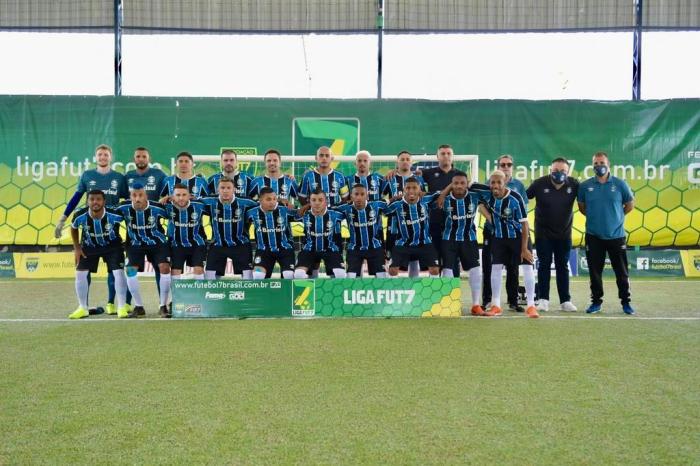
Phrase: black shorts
(506, 251)
(241, 256)
(390, 242)
(462, 252)
(193, 256)
(267, 259)
(425, 255)
(332, 260)
(374, 258)
(156, 255)
(112, 256)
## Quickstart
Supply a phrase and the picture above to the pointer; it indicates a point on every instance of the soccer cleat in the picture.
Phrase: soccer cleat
(594, 308)
(628, 309)
(138, 311)
(163, 312)
(496, 310)
(123, 312)
(79, 313)
(568, 306)
(110, 309)
(543, 305)
(477, 310)
(532, 312)
(94, 311)
(516, 307)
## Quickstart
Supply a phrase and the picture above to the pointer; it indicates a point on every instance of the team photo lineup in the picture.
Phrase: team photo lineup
(431, 218)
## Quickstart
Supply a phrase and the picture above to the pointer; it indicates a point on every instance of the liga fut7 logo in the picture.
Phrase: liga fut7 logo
(304, 298)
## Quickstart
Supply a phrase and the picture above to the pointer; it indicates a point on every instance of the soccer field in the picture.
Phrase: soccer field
(566, 388)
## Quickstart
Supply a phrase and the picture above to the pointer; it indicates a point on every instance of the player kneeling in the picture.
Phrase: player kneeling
(272, 236)
(412, 214)
(146, 240)
(364, 220)
(320, 245)
(99, 239)
(188, 241)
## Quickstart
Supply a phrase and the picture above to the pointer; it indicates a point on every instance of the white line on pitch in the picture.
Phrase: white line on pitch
(591, 318)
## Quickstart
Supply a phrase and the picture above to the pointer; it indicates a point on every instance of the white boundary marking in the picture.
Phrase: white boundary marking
(214, 319)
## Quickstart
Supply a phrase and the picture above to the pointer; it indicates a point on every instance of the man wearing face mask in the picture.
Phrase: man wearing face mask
(555, 195)
(605, 200)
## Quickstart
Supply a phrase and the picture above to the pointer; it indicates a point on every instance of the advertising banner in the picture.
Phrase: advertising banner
(370, 297)
(7, 265)
(691, 262)
(651, 263)
(49, 265)
(47, 142)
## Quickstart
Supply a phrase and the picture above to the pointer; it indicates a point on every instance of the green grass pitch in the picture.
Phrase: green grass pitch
(559, 390)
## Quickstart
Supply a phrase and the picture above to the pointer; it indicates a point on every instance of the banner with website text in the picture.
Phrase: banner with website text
(47, 142)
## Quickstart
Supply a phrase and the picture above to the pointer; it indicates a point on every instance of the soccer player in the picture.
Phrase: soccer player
(555, 195)
(364, 219)
(320, 225)
(323, 176)
(510, 241)
(146, 240)
(605, 200)
(99, 239)
(505, 165)
(413, 243)
(188, 241)
(283, 185)
(152, 179)
(113, 185)
(373, 182)
(394, 189)
(273, 242)
(242, 181)
(196, 184)
(459, 243)
(228, 225)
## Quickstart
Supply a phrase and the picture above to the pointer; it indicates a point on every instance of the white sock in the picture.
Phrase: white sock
(448, 273)
(210, 274)
(529, 277)
(314, 273)
(475, 284)
(413, 269)
(258, 275)
(199, 276)
(120, 286)
(435, 275)
(81, 287)
(288, 274)
(247, 275)
(381, 275)
(496, 278)
(165, 280)
(176, 277)
(299, 273)
(351, 275)
(339, 273)
(133, 284)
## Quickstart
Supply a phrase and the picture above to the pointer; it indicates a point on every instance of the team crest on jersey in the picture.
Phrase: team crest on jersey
(151, 219)
(108, 227)
(470, 208)
(546, 190)
(373, 183)
(568, 190)
(239, 182)
(172, 214)
(284, 189)
(194, 216)
(114, 184)
(507, 212)
(237, 212)
(257, 260)
(437, 174)
(329, 224)
(280, 220)
(334, 184)
(314, 185)
(371, 214)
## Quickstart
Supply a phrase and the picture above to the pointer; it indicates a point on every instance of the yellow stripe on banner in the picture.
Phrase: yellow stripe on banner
(449, 306)
(49, 265)
(302, 297)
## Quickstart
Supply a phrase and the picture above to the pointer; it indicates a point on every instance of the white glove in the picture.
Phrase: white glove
(58, 232)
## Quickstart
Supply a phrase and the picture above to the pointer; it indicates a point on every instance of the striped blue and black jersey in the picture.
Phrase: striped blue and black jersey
(333, 184)
(412, 220)
(459, 216)
(242, 184)
(152, 179)
(284, 186)
(197, 185)
(319, 231)
(98, 232)
(394, 187)
(365, 225)
(144, 227)
(272, 232)
(228, 220)
(185, 228)
(508, 213)
(374, 182)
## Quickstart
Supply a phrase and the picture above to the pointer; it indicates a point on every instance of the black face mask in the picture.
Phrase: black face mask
(558, 177)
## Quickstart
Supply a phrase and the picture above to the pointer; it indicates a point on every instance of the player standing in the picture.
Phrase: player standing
(188, 241)
(373, 182)
(242, 181)
(283, 185)
(196, 184)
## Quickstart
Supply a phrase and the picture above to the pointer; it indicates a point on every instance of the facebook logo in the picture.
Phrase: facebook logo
(642, 263)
